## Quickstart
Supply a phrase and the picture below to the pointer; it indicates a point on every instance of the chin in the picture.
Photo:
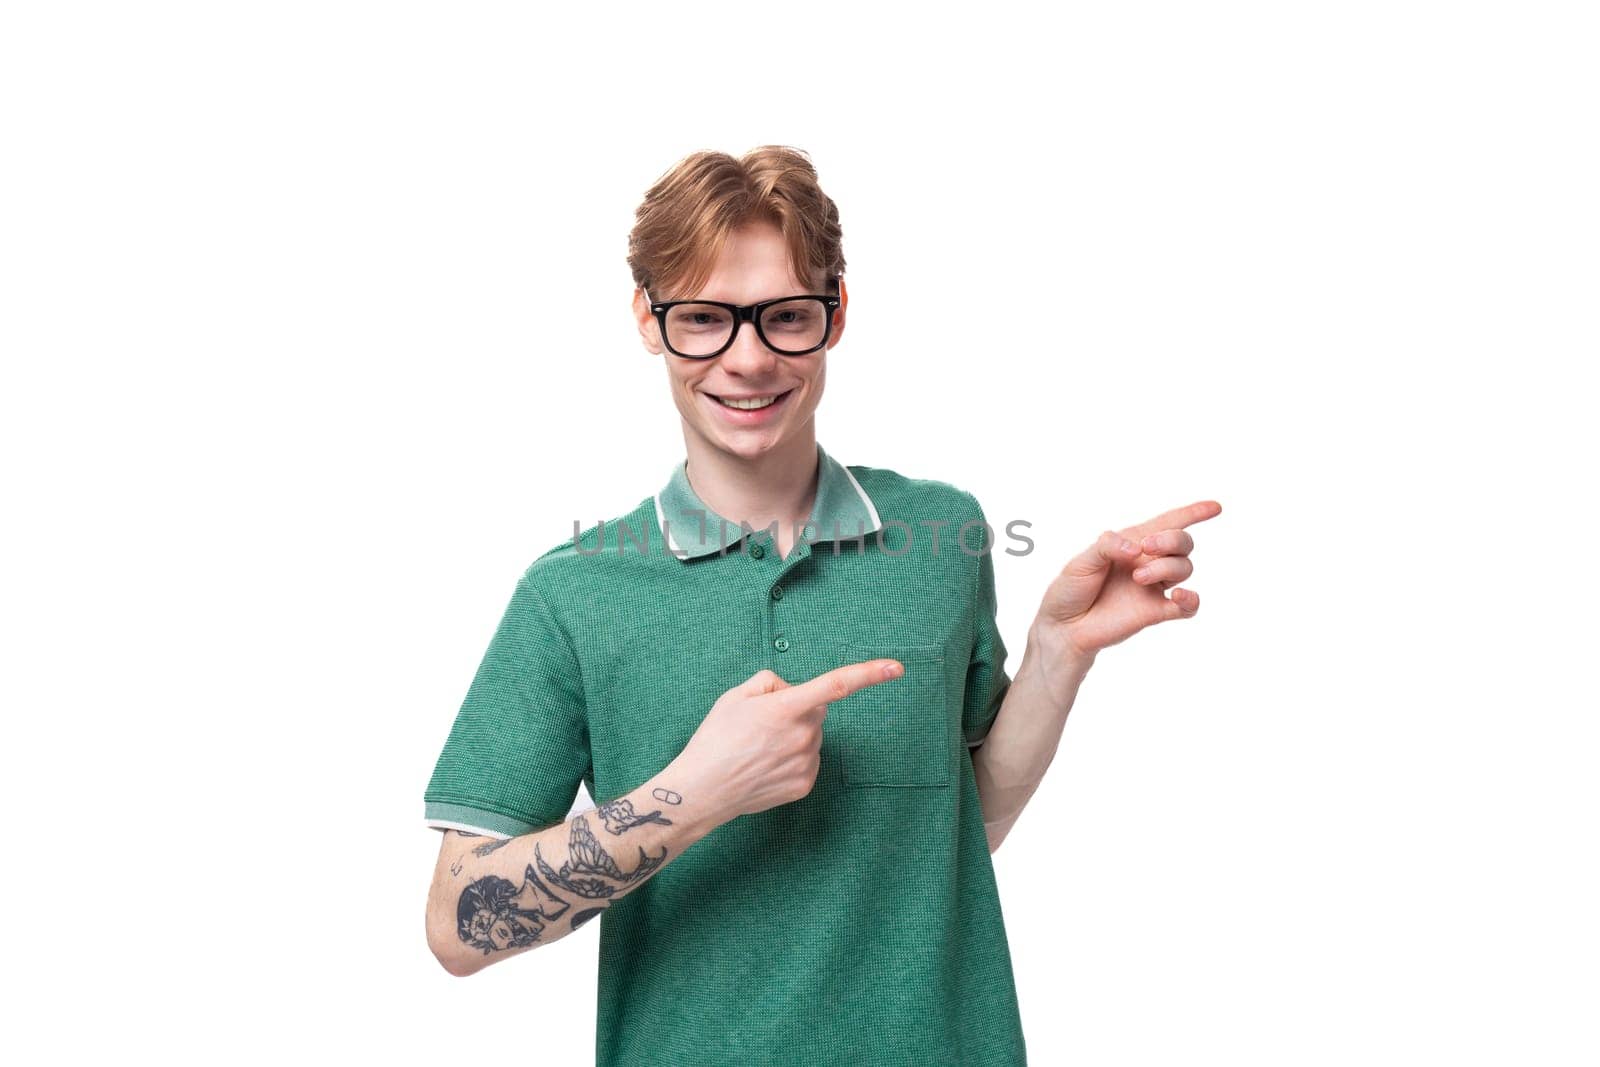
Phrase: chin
(748, 445)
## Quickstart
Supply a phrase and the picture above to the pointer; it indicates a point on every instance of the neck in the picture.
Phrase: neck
(777, 486)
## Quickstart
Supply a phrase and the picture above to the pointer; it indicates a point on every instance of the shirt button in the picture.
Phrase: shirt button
(777, 592)
(757, 551)
(781, 644)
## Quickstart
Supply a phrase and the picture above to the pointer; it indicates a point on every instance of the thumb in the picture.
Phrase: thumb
(763, 681)
(1085, 574)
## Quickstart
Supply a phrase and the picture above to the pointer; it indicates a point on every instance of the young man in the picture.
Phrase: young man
(781, 677)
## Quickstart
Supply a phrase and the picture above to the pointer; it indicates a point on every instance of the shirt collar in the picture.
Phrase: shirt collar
(842, 511)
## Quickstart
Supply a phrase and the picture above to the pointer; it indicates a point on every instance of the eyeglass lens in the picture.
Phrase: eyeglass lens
(789, 326)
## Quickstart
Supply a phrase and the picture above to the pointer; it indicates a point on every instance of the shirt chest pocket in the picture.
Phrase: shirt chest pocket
(896, 733)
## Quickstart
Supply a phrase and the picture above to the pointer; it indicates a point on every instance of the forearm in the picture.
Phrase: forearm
(1022, 742)
(498, 897)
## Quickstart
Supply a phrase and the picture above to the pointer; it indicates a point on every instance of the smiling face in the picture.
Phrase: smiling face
(754, 266)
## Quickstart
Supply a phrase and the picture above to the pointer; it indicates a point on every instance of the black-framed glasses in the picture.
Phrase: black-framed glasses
(704, 329)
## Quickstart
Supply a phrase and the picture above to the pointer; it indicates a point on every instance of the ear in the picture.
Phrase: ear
(649, 329)
(838, 314)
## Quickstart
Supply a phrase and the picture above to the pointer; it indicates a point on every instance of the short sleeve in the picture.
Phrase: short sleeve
(519, 746)
(987, 680)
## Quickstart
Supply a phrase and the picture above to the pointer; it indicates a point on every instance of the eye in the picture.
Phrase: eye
(697, 317)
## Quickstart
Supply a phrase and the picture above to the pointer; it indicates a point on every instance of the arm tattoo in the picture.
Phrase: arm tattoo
(494, 915)
(619, 816)
(589, 870)
(456, 865)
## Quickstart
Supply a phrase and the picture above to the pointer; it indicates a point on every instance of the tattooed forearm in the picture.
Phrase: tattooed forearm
(619, 816)
(495, 914)
(590, 871)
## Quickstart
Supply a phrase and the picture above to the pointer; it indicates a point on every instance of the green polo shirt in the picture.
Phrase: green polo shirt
(858, 925)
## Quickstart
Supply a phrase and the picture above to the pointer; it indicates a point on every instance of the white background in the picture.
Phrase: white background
(315, 333)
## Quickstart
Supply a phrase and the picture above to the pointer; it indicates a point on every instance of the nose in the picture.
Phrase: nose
(748, 355)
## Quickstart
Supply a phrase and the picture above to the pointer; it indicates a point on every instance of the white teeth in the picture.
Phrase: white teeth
(749, 405)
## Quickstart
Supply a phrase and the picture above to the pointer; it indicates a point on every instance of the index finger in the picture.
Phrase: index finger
(838, 683)
(1176, 519)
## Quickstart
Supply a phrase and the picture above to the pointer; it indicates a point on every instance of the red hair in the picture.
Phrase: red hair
(686, 216)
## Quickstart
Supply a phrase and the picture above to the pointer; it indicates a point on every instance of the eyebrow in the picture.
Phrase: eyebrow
(823, 291)
(718, 300)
